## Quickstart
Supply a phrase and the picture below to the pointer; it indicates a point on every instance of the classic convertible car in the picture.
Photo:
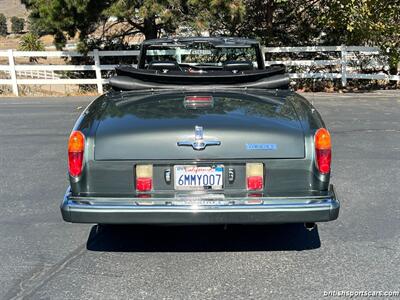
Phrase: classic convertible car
(201, 132)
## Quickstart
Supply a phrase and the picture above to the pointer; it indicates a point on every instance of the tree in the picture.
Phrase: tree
(367, 22)
(325, 22)
(104, 21)
(108, 19)
(3, 25)
(283, 22)
(274, 22)
(215, 17)
(17, 24)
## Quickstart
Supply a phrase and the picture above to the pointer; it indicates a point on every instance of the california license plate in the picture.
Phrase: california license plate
(189, 177)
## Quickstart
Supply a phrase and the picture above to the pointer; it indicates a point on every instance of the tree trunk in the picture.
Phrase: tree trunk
(269, 14)
(150, 28)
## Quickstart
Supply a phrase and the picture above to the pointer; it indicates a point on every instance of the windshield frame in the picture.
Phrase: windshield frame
(145, 47)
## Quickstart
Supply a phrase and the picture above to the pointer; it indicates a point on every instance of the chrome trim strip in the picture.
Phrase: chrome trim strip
(157, 205)
(103, 210)
(208, 209)
(199, 144)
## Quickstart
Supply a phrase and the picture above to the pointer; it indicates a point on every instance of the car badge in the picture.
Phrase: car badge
(261, 146)
(199, 142)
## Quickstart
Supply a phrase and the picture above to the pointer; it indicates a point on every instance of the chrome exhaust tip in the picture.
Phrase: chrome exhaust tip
(310, 226)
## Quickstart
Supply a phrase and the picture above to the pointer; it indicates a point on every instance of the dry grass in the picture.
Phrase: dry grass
(50, 90)
(9, 42)
(12, 41)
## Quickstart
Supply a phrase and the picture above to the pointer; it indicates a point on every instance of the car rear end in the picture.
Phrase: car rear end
(200, 157)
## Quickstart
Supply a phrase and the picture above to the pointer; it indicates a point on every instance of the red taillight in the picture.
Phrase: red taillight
(323, 150)
(198, 101)
(255, 183)
(199, 98)
(144, 184)
(255, 176)
(324, 160)
(76, 147)
(144, 178)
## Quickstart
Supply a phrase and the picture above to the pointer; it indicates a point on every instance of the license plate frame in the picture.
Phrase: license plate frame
(200, 184)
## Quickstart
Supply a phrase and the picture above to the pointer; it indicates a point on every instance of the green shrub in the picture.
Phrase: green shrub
(3, 25)
(17, 24)
(31, 42)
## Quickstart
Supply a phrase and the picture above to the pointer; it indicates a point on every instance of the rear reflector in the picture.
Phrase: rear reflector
(144, 178)
(323, 150)
(255, 176)
(76, 147)
(144, 184)
(254, 183)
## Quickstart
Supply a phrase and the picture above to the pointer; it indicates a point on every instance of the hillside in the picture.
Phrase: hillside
(12, 8)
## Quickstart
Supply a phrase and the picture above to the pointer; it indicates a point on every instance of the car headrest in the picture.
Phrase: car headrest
(164, 65)
(234, 65)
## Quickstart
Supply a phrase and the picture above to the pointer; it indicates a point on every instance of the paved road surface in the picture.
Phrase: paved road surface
(43, 257)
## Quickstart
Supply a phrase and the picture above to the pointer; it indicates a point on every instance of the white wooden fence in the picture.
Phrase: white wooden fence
(344, 61)
(13, 70)
(37, 74)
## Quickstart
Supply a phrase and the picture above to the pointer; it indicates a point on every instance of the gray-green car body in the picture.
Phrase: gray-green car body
(126, 129)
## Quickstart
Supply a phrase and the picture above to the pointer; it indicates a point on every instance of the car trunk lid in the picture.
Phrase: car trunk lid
(242, 125)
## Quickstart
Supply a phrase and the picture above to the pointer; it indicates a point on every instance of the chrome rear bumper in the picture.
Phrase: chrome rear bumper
(204, 210)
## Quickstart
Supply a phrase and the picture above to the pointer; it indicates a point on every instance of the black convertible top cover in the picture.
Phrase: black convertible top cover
(170, 74)
(129, 78)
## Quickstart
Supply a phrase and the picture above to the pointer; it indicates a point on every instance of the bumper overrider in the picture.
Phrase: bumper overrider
(201, 209)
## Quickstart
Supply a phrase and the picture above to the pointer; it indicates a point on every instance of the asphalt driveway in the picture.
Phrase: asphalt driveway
(43, 257)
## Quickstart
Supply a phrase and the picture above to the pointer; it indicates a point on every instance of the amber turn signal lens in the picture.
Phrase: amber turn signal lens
(76, 142)
(322, 139)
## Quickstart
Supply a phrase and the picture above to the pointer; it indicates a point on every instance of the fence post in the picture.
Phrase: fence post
(344, 64)
(98, 71)
(13, 74)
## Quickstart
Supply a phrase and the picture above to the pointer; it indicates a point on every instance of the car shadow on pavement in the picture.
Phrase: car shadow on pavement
(134, 238)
